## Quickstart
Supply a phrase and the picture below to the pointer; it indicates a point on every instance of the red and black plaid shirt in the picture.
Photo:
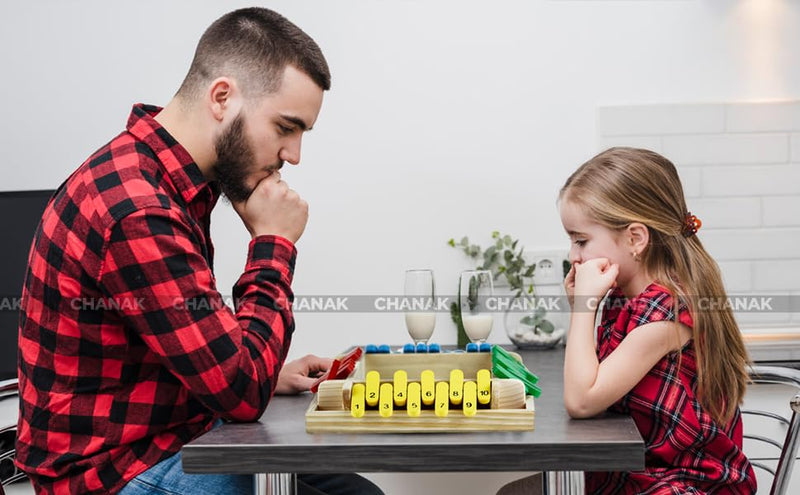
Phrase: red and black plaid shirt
(686, 450)
(127, 350)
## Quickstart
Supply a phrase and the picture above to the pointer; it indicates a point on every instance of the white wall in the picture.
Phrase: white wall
(446, 118)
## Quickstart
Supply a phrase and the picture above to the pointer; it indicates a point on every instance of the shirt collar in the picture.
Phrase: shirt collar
(179, 166)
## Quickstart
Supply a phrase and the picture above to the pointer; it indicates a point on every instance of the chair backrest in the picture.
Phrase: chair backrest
(20, 213)
(788, 448)
(9, 473)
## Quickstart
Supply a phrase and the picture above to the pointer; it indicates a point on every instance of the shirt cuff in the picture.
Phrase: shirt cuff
(271, 248)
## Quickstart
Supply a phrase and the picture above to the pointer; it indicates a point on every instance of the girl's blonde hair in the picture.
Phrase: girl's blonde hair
(625, 185)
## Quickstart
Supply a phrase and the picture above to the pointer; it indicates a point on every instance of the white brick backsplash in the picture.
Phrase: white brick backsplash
(776, 275)
(795, 306)
(763, 117)
(739, 164)
(751, 244)
(691, 179)
(652, 143)
(660, 119)
(737, 275)
(727, 212)
(757, 319)
(761, 307)
(781, 211)
(716, 149)
(767, 180)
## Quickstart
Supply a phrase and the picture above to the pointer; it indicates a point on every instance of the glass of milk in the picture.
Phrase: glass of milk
(475, 292)
(419, 305)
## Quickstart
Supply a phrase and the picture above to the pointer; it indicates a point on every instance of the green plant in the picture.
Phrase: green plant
(503, 258)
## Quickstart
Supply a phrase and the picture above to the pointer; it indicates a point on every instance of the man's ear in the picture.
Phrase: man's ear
(638, 236)
(222, 98)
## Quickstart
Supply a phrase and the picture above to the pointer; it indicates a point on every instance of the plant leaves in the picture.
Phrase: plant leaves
(487, 255)
(546, 327)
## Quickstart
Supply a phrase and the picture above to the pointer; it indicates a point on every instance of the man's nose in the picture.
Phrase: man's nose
(291, 151)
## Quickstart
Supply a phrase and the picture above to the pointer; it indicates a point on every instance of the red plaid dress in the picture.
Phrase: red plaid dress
(126, 348)
(686, 450)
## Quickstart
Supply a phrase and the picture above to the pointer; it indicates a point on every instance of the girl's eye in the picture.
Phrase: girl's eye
(580, 242)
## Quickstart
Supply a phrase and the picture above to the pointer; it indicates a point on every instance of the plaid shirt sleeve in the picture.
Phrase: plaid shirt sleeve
(229, 362)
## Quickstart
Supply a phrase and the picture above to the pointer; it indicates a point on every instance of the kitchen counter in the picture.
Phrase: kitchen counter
(773, 346)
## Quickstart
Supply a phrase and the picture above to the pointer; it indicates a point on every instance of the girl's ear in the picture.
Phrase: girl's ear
(638, 236)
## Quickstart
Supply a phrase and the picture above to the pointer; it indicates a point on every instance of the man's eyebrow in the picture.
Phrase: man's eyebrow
(297, 121)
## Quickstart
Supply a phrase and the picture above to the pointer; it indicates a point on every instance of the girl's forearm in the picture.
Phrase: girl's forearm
(580, 364)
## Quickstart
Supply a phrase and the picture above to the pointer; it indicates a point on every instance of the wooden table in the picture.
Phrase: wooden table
(278, 442)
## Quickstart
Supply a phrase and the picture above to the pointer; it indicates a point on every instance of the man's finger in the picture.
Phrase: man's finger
(315, 363)
(302, 383)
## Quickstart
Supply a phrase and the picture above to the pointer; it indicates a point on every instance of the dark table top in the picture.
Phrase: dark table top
(278, 442)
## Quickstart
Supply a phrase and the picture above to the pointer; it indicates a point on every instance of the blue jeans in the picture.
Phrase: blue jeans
(168, 478)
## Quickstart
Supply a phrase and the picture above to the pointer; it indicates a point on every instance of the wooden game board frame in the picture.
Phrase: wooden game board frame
(332, 421)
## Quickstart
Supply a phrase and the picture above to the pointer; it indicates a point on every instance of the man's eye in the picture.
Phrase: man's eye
(284, 129)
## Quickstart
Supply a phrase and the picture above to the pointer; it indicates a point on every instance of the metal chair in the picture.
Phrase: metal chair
(788, 448)
(8, 430)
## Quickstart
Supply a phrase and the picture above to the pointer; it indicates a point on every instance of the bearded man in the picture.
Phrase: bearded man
(109, 393)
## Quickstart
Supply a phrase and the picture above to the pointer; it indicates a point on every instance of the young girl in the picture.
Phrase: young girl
(681, 378)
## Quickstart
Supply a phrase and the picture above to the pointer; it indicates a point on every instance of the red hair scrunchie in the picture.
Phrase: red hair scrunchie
(691, 224)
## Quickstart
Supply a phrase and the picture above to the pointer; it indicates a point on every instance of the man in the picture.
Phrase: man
(126, 349)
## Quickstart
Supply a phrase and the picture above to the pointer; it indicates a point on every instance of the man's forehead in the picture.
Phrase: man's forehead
(297, 100)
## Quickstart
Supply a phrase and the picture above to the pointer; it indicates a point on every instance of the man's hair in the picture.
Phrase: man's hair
(254, 46)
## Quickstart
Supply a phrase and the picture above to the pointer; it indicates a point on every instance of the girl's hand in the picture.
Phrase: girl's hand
(594, 277)
(569, 285)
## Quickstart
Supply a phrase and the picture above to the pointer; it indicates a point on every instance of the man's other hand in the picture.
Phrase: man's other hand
(298, 375)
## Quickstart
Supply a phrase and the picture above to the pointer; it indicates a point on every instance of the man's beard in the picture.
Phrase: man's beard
(234, 160)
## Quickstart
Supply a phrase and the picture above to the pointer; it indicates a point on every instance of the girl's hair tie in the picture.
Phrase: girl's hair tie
(691, 224)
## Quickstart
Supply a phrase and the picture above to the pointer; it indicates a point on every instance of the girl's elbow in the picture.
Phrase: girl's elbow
(578, 409)
(579, 413)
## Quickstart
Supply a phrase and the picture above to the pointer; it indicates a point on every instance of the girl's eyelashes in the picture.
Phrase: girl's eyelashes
(580, 242)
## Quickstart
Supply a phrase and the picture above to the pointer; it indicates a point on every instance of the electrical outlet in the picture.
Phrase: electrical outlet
(549, 266)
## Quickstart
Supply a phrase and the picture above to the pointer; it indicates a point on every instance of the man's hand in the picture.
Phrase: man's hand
(298, 375)
(274, 209)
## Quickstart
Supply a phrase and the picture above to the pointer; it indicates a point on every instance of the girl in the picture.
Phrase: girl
(679, 372)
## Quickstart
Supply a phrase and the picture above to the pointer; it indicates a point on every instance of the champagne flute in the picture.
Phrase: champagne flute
(474, 290)
(420, 317)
